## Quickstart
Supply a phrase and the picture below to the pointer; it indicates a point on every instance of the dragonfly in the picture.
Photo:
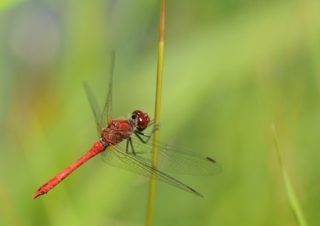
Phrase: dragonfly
(125, 144)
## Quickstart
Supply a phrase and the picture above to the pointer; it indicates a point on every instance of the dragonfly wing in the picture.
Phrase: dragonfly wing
(94, 106)
(107, 108)
(137, 164)
(172, 160)
(101, 117)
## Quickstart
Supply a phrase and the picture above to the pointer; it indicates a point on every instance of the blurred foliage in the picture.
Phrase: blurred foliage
(232, 68)
(4, 4)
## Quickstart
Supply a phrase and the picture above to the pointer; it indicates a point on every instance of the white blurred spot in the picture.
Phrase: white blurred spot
(35, 37)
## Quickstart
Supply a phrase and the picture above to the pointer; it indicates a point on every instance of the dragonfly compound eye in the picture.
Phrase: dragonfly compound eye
(143, 121)
(141, 118)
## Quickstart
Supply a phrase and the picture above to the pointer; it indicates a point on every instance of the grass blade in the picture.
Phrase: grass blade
(294, 203)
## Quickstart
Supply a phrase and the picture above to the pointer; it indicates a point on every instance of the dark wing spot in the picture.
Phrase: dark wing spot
(211, 160)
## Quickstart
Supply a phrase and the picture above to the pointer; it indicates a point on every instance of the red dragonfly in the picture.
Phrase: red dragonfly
(126, 142)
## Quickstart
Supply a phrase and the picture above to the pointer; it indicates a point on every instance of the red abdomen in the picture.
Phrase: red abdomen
(97, 148)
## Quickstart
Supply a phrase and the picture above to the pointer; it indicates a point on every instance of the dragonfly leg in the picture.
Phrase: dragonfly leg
(129, 141)
(127, 146)
(141, 139)
(132, 148)
(141, 135)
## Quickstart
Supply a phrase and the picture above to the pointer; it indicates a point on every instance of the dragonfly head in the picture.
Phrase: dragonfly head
(140, 119)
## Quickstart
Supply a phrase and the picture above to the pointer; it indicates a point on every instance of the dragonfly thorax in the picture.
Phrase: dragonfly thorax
(117, 131)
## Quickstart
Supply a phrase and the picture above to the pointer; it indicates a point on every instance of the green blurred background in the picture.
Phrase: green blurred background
(232, 68)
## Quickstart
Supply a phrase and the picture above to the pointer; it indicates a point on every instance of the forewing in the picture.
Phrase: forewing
(94, 106)
(107, 108)
(118, 157)
(173, 160)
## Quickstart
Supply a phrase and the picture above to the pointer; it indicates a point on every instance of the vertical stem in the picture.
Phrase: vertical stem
(293, 200)
(150, 208)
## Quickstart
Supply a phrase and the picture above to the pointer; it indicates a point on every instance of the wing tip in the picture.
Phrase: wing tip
(195, 192)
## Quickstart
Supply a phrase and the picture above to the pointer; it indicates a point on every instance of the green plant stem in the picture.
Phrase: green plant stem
(150, 208)
(295, 206)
